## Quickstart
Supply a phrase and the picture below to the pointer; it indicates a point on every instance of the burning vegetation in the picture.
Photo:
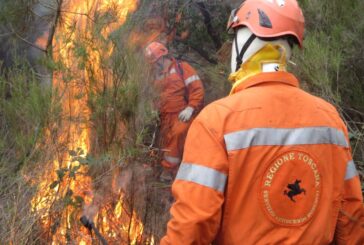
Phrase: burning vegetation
(69, 209)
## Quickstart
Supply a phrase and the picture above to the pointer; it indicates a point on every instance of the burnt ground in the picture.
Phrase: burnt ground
(150, 198)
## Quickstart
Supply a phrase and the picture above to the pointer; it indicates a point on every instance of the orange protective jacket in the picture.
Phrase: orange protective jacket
(179, 87)
(270, 164)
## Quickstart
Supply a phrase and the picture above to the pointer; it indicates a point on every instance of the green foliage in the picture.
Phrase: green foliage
(194, 21)
(333, 57)
(118, 103)
(25, 109)
(319, 65)
(15, 12)
(65, 174)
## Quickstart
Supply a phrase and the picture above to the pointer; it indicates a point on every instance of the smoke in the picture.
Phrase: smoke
(28, 42)
(123, 180)
(110, 187)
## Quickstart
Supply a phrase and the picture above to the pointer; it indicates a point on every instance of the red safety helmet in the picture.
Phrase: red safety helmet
(270, 18)
(154, 51)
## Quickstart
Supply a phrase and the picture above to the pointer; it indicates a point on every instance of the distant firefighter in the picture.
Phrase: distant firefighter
(181, 98)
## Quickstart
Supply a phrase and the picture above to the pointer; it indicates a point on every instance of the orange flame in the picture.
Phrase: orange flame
(65, 185)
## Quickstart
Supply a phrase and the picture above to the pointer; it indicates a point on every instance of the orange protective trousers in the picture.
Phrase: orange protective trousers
(173, 135)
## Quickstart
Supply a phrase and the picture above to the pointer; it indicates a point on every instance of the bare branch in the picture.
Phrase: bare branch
(54, 24)
(210, 29)
(6, 34)
(59, 9)
(26, 41)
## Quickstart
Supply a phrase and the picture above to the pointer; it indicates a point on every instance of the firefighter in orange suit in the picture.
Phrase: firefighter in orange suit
(269, 164)
(181, 98)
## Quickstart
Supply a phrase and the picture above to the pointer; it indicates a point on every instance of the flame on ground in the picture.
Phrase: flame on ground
(65, 186)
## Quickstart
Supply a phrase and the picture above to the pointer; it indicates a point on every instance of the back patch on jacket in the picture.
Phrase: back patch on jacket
(291, 188)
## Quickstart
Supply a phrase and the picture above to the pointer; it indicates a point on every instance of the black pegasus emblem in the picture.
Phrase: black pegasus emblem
(294, 190)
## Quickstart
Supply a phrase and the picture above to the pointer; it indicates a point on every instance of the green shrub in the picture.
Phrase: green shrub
(25, 110)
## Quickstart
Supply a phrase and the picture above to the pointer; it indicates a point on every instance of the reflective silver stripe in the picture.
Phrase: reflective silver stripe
(172, 160)
(282, 136)
(350, 170)
(191, 79)
(202, 175)
(172, 71)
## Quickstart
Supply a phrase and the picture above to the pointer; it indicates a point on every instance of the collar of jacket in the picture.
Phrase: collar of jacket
(268, 77)
(167, 70)
(270, 58)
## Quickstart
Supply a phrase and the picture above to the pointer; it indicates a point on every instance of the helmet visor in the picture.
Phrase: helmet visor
(231, 20)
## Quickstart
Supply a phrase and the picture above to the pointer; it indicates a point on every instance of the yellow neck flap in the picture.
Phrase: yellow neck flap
(270, 58)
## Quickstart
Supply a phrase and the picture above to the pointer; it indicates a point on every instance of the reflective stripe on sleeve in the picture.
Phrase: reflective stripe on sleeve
(203, 176)
(173, 160)
(191, 79)
(282, 137)
(350, 170)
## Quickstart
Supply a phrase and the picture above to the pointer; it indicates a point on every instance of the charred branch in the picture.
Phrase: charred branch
(210, 29)
(204, 54)
(26, 41)
(91, 227)
(54, 24)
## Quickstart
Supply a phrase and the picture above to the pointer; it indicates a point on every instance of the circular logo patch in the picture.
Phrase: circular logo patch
(291, 188)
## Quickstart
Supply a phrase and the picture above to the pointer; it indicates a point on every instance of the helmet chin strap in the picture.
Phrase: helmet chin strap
(240, 55)
(160, 64)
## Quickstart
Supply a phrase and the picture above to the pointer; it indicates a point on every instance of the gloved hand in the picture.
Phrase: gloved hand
(186, 114)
